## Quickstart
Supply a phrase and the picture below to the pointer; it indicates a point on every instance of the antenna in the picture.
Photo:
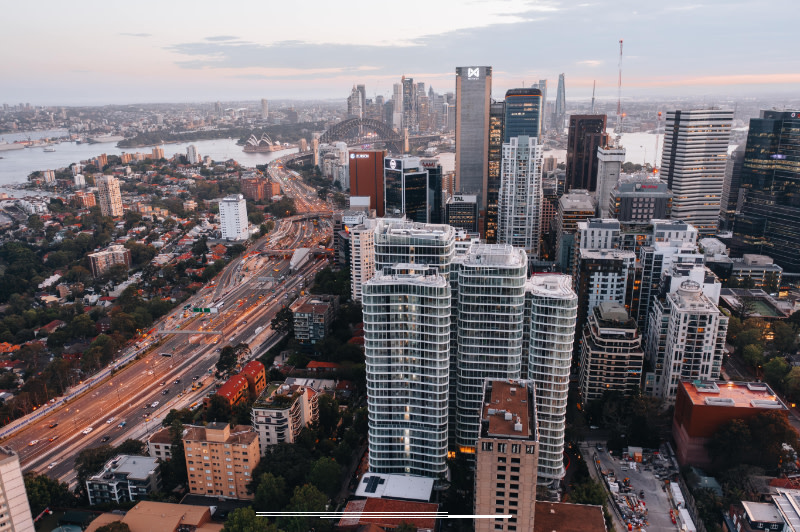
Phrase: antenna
(594, 86)
(619, 93)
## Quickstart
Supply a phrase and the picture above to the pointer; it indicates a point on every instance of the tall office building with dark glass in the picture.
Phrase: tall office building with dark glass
(473, 92)
(406, 189)
(497, 112)
(560, 109)
(523, 114)
(769, 219)
(586, 134)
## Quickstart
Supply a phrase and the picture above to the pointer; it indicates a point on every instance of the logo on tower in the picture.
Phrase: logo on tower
(473, 73)
(393, 164)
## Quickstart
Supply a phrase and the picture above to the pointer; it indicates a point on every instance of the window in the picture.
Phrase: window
(501, 477)
(501, 468)
(530, 449)
(515, 460)
(515, 448)
(501, 459)
(486, 446)
(499, 494)
(501, 484)
(501, 447)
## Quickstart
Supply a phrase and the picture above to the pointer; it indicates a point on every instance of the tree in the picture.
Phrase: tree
(246, 520)
(289, 461)
(792, 383)
(306, 498)
(131, 446)
(326, 474)
(271, 494)
(588, 492)
(730, 444)
(784, 337)
(44, 492)
(219, 409)
(283, 322)
(774, 372)
(116, 526)
(753, 355)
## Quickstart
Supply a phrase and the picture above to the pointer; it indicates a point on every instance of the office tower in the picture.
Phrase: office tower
(264, 109)
(693, 164)
(497, 111)
(233, 217)
(609, 168)
(587, 133)
(397, 106)
(639, 199)
(362, 256)
(507, 454)
(218, 108)
(362, 91)
(405, 184)
(523, 114)
(769, 218)
(520, 205)
(542, 86)
(354, 107)
(407, 347)
(207, 448)
(490, 311)
(611, 353)
(731, 188)
(191, 154)
(409, 104)
(551, 308)
(109, 196)
(573, 207)
(403, 242)
(686, 339)
(473, 98)
(435, 190)
(13, 498)
(462, 212)
(560, 109)
(366, 177)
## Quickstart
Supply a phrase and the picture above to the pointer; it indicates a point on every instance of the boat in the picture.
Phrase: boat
(49, 149)
(7, 146)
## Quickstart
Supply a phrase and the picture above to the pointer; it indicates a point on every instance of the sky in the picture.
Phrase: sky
(93, 52)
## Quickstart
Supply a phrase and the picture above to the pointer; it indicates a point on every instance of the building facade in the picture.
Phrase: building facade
(124, 478)
(520, 205)
(573, 207)
(233, 218)
(587, 133)
(461, 212)
(497, 111)
(109, 196)
(473, 99)
(220, 459)
(281, 412)
(366, 176)
(523, 114)
(639, 199)
(312, 319)
(102, 261)
(406, 189)
(609, 169)
(13, 499)
(693, 164)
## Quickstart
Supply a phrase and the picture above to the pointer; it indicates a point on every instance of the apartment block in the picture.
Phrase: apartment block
(312, 319)
(220, 460)
(124, 478)
(102, 261)
(281, 412)
(15, 511)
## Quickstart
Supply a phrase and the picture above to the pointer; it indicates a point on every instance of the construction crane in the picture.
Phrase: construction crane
(619, 93)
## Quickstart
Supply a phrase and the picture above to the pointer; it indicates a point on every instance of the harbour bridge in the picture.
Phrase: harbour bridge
(355, 131)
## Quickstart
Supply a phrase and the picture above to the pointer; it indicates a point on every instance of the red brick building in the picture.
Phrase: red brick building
(256, 375)
(234, 390)
(255, 189)
(366, 176)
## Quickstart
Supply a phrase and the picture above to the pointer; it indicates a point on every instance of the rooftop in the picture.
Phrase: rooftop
(509, 410)
(788, 503)
(762, 512)
(240, 434)
(253, 368)
(612, 311)
(404, 487)
(135, 467)
(374, 506)
(566, 517)
(607, 254)
(738, 394)
(553, 285)
(495, 255)
(576, 200)
(147, 516)
(161, 436)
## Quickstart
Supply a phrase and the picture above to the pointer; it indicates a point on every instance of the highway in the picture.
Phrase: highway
(175, 370)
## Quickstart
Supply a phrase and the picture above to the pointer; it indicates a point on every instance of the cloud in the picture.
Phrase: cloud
(137, 34)
(590, 62)
(217, 38)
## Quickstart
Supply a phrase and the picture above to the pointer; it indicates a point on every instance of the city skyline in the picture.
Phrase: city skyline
(161, 52)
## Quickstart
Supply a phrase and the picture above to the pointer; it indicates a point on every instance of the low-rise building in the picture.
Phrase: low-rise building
(147, 516)
(220, 460)
(255, 374)
(159, 445)
(124, 478)
(312, 319)
(749, 516)
(234, 391)
(281, 413)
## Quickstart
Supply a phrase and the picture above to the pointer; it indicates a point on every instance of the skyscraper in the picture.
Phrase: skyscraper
(354, 106)
(366, 176)
(397, 106)
(233, 217)
(405, 184)
(520, 205)
(587, 133)
(769, 220)
(191, 154)
(409, 102)
(109, 196)
(264, 109)
(609, 167)
(731, 188)
(542, 86)
(551, 307)
(523, 113)
(473, 92)
(13, 499)
(497, 111)
(693, 164)
(560, 109)
(407, 346)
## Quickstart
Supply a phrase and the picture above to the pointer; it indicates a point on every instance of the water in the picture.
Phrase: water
(16, 165)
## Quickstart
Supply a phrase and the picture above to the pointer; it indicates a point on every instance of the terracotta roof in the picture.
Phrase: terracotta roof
(253, 368)
(567, 517)
(162, 436)
(316, 364)
(232, 387)
(376, 505)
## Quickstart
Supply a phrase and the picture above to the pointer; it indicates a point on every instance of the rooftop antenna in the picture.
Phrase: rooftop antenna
(619, 94)
(594, 86)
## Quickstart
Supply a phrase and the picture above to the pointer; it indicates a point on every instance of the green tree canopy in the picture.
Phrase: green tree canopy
(44, 492)
(326, 474)
(246, 520)
(271, 494)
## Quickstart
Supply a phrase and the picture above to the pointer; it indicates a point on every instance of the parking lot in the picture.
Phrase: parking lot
(655, 503)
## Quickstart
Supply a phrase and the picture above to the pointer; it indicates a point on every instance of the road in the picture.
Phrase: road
(133, 401)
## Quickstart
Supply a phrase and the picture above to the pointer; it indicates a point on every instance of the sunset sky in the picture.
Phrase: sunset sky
(97, 52)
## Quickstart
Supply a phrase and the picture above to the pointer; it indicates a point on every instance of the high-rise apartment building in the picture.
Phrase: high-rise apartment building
(254, 188)
(497, 112)
(611, 353)
(280, 413)
(366, 176)
(473, 98)
(523, 114)
(362, 256)
(685, 340)
(191, 154)
(406, 189)
(587, 133)
(407, 347)
(220, 460)
(109, 196)
(609, 168)
(115, 255)
(409, 102)
(520, 204)
(551, 308)
(13, 499)
(560, 109)
(769, 219)
(233, 217)
(693, 164)
(602, 275)
(403, 242)
(507, 456)
(490, 311)
(574, 207)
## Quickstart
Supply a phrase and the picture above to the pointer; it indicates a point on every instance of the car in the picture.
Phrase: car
(52, 465)
(146, 415)
(165, 392)
(33, 442)
(145, 406)
(110, 420)
(195, 377)
(53, 438)
(53, 425)
(87, 430)
(163, 383)
(154, 404)
(121, 425)
(105, 439)
(176, 381)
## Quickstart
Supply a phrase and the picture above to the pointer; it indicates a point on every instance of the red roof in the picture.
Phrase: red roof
(52, 326)
(232, 387)
(253, 368)
(316, 364)
(374, 506)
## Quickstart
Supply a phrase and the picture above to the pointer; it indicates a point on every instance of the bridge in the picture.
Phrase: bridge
(352, 130)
